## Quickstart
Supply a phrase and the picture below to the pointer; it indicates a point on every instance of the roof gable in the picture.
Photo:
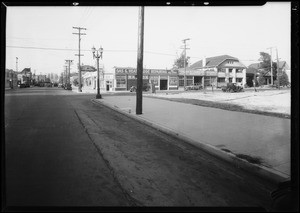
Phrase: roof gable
(88, 68)
(212, 61)
(26, 70)
(255, 65)
(283, 64)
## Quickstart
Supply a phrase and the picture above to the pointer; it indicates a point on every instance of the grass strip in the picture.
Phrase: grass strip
(224, 106)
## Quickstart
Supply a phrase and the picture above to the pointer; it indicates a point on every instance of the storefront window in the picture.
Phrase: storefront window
(221, 80)
(154, 79)
(121, 81)
(181, 81)
(189, 80)
(173, 81)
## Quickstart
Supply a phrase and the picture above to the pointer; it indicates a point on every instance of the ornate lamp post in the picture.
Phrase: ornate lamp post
(98, 54)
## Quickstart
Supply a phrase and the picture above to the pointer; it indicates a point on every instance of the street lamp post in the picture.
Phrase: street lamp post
(98, 54)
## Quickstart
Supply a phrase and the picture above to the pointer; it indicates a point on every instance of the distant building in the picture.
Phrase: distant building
(255, 69)
(284, 67)
(11, 78)
(163, 79)
(41, 78)
(214, 71)
(105, 80)
(88, 68)
(25, 76)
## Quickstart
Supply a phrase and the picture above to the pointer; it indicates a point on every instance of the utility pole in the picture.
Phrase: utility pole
(69, 65)
(17, 64)
(139, 70)
(278, 75)
(66, 71)
(79, 66)
(184, 64)
(12, 74)
(271, 65)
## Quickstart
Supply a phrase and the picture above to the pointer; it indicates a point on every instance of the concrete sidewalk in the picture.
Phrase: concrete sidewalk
(260, 144)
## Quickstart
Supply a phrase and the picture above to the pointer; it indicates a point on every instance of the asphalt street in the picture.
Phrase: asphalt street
(63, 150)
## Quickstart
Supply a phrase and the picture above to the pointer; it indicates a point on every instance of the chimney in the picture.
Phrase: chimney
(204, 61)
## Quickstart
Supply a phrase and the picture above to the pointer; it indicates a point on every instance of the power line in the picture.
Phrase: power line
(41, 48)
(88, 50)
(63, 49)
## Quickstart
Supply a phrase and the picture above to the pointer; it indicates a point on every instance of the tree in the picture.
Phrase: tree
(261, 80)
(266, 64)
(283, 79)
(179, 62)
(75, 82)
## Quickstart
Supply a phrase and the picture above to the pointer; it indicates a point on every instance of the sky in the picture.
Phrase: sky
(42, 37)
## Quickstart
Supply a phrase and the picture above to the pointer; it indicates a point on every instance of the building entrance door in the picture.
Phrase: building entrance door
(163, 84)
(197, 79)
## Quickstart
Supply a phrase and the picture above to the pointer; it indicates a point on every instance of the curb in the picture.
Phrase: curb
(264, 172)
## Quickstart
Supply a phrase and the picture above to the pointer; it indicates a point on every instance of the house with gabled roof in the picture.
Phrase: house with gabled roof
(11, 78)
(255, 70)
(25, 76)
(214, 71)
(284, 67)
(87, 68)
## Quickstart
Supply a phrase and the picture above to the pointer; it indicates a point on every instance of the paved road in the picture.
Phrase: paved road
(62, 150)
(50, 160)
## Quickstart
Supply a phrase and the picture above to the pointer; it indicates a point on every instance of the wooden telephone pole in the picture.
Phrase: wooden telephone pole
(79, 66)
(69, 69)
(272, 80)
(139, 90)
(184, 60)
(278, 74)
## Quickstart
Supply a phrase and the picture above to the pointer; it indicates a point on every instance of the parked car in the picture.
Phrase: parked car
(132, 89)
(146, 87)
(21, 85)
(68, 86)
(232, 87)
(196, 86)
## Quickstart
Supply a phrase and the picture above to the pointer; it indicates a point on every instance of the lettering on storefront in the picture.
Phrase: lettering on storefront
(145, 71)
(134, 77)
(200, 72)
(190, 72)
